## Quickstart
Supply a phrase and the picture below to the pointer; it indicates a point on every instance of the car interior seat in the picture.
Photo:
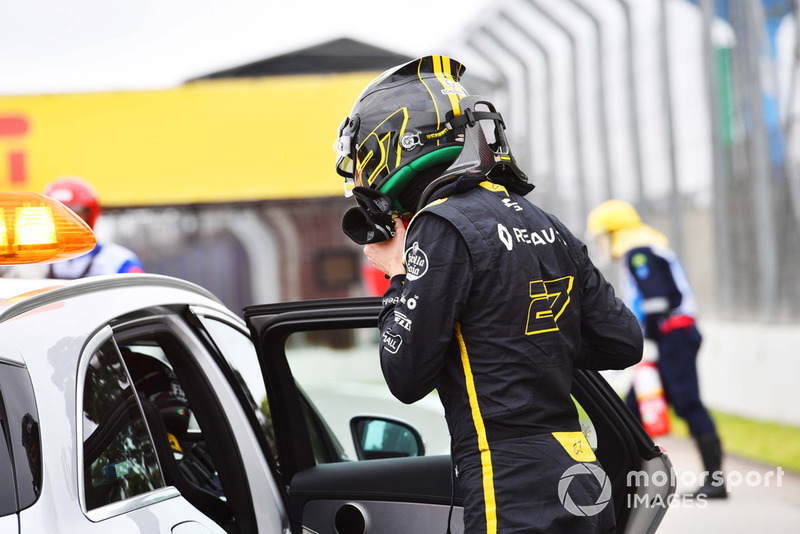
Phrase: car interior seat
(189, 473)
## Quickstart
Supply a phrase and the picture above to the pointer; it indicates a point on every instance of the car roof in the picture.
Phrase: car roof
(11, 288)
(18, 295)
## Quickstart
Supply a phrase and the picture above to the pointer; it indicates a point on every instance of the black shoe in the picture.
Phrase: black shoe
(713, 492)
(710, 490)
(713, 485)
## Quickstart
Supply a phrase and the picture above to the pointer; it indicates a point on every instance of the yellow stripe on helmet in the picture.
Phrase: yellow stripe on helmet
(441, 68)
(384, 145)
(399, 149)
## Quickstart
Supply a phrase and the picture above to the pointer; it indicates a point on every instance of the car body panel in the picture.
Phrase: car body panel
(9, 524)
(157, 517)
(80, 309)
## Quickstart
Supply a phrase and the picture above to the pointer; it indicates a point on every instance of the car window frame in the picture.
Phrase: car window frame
(329, 448)
(8, 486)
(295, 442)
(108, 511)
(15, 383)
(18, 405)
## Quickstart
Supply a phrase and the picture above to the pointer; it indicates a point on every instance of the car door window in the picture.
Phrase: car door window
(183, 443)
(241, 355)
(339, 370)
(119, 459)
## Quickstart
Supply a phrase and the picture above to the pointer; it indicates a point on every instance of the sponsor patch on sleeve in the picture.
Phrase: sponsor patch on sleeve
(392, 342)
(416, 262)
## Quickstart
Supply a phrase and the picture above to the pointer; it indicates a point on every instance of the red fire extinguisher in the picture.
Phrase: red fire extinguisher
(651, 399)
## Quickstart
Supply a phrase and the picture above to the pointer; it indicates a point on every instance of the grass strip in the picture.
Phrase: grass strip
(765, 442)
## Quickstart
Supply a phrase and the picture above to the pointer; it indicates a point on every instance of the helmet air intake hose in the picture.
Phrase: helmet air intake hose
(371, 221)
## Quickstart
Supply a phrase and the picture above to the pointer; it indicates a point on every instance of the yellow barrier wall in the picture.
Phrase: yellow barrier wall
(207, 141)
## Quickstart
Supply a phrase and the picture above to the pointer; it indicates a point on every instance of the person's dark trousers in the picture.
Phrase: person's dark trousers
(677, 365)
(633, 404)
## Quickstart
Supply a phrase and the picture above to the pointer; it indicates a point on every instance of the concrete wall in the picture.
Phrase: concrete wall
(752, 370)
(746, 369)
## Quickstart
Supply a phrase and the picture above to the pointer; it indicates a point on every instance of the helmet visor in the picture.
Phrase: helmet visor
(346, 152)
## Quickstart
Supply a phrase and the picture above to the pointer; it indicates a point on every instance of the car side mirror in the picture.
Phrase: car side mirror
(377, 437)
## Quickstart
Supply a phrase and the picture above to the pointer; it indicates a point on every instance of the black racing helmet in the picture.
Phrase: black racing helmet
(398, 127)
(157, 382)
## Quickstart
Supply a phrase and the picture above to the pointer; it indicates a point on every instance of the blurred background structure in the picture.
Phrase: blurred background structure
(686, 108)
(689, 109)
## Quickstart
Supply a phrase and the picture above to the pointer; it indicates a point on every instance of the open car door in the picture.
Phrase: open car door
(328, 491)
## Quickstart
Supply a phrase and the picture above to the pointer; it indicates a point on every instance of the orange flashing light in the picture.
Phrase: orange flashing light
(38, 229)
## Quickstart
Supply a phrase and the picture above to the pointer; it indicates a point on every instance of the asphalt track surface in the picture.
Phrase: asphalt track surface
(761, 498)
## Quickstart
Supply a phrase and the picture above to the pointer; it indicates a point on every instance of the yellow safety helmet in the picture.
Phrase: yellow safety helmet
(622, 223)
(613, 215)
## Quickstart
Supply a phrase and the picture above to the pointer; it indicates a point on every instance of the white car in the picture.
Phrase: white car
(141, 404)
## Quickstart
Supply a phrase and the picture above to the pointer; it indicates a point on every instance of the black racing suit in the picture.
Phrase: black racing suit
(499, 303)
